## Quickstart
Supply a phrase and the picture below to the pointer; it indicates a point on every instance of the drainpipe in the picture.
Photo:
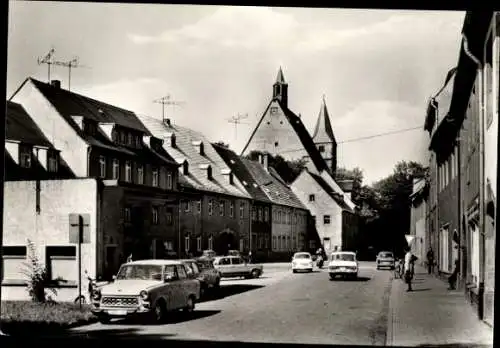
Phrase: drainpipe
(460, 239)
(89, 151)
(481, 176)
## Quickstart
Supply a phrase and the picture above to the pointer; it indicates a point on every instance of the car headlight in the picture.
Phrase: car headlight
(294, 263)
(144, 295)
(96, 295)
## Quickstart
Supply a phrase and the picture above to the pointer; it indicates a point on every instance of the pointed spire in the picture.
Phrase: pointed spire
(280, 78)
(323, 131)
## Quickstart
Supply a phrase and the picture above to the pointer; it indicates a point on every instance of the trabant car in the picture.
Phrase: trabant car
(343, 263)
(236, 266)
(152, 287)
(302, 261)
(386, 259)
(203, 270)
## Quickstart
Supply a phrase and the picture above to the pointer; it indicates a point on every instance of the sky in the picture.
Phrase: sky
(376, 68)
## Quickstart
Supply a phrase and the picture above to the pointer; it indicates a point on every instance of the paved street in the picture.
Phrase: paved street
(279, 307)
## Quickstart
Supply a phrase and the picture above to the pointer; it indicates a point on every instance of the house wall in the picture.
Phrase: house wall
(49, 228)
(261, 228)
(418, 228)
(275, 128)
(54, 126)
(323, 204)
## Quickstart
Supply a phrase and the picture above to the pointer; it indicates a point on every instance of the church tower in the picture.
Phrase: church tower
(280, 89)
(324, 138)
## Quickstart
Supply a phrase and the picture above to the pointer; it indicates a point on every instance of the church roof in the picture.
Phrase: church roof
(323, 132)
(280, 78)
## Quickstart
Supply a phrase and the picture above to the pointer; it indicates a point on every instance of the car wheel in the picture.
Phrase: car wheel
(255, 273)
(104, 319)
(160, 311)
(190, 305)
(217, 283)
(294, 270)
(203, 289)
(332, 276)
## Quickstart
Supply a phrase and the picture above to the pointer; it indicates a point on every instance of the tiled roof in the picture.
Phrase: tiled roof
(331, 192)
(242, 173)
(72, 104)
(277, 192)
(187, 148)
(21, 127)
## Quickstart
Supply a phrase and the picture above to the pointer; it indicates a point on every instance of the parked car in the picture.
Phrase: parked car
(236, 266)
(233, 253)
(302, 261)
(343, 263)
(203, 270)
(152, 287)
(208, 253)
(385, 259)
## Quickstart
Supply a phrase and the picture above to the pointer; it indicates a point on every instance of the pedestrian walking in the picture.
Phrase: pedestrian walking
(452, 279)
(409, 268)
(430, 261)
(250, 256)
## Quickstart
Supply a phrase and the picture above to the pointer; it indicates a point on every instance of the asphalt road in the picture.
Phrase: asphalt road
(279, 307)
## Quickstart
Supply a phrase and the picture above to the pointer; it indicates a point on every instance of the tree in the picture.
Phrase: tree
(356, 175)
(287, 170)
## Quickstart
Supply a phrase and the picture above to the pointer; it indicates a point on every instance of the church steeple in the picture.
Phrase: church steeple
(280, 89)
(324, 138)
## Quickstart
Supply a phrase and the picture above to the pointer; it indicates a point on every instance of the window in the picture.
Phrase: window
(140, 175)
(116, 169)
(122, 137)
(61, 263)
(254, 214)
(235, 261)
(225, 261)
(274, 110)
(279, 217)
(274, 246)
(210, 207)
(169, 217)
(288, 244)
(186, 243)
(242, 210)
(138, 141)
(231, 209)
(283, 242)
(198, 206)
(154, 211)
(155, 180)
(221, 208)
(52, 161)
(128, 171)
(259, 214)
(181, 272)
(187, 205)
(242, 245)
(198, 243)
(14, 259)
(169, 180)
(326, 219)
(321, 148)
(129, 139)
(102, 166)
(127, 216)
(25, 156)
(311, 198)
(266, 214)
(276, 144)
(210, 243)
(169, 245)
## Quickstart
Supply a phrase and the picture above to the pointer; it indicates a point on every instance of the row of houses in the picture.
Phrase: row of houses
(454, 209)
(82, 172)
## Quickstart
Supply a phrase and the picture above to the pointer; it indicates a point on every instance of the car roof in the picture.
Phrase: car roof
(155, 262)
(230, 256)
(302, 252)
(343, 252)
(187, 260)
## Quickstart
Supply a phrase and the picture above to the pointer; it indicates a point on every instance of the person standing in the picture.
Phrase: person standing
(250, 256)
(409, 268)
(430, 261)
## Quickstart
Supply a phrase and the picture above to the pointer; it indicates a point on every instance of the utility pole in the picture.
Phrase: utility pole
(237, 120)
(166, 101)
(71, 64)
(47, 59)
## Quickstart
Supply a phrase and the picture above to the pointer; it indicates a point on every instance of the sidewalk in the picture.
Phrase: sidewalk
(431, 315)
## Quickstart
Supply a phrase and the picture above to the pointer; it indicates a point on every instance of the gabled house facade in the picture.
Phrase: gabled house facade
(216, 216)
(137, 180)
(335, 223)
(261, 206)
(289, 217)
(418, 199)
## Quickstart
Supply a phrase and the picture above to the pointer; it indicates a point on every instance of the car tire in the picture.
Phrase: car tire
(255, 273)
(190, 305)
(104, 319)
(160, 311)
(332, 277)
(294, 270)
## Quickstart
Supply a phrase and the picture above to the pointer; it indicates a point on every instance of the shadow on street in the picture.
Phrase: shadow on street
(172, 318)
(228, 290)
(457, 345)
(125, 334)
(358, 279)
(423, 289)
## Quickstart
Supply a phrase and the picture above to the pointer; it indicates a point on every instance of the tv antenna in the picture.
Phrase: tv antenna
(73, 63)
(47, 59)
(166, 101)
(237, 120)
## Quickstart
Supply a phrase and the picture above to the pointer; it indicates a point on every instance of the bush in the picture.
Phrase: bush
(21, 317)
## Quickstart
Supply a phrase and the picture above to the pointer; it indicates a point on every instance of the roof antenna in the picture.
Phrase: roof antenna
(166, 101)
(237, 120)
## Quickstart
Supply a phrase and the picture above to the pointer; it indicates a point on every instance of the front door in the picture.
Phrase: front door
(225, 266)
(111, 261)
(237, 265)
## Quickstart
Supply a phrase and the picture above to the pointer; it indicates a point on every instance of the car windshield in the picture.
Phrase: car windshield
(205, 264)
(302, 256)
(343, 257)
(141, 272)
(386, 254)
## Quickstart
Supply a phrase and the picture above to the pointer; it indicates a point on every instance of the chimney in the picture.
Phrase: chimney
(260, 158)
(56, 84)
(265, 161)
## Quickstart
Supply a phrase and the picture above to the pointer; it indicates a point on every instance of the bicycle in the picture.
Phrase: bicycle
(90, 290)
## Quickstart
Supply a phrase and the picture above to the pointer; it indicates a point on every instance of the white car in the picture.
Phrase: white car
(302, 261)
(146, 287)
(343, 263)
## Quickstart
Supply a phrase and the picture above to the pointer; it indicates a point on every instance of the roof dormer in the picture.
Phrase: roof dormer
(230, 177)
(208, 169)
(198, 144)
(78, 120)
(185, 167)
(170, 138)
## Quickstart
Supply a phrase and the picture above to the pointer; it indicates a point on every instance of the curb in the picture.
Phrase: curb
(389, 337)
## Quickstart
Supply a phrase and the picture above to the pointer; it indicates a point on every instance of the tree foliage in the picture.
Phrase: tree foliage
(288, 170)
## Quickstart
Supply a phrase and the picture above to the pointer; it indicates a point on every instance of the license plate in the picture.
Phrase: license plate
(343, 269)
(117, 312)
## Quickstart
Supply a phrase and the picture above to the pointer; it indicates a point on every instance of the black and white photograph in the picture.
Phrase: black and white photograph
(249, 174)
